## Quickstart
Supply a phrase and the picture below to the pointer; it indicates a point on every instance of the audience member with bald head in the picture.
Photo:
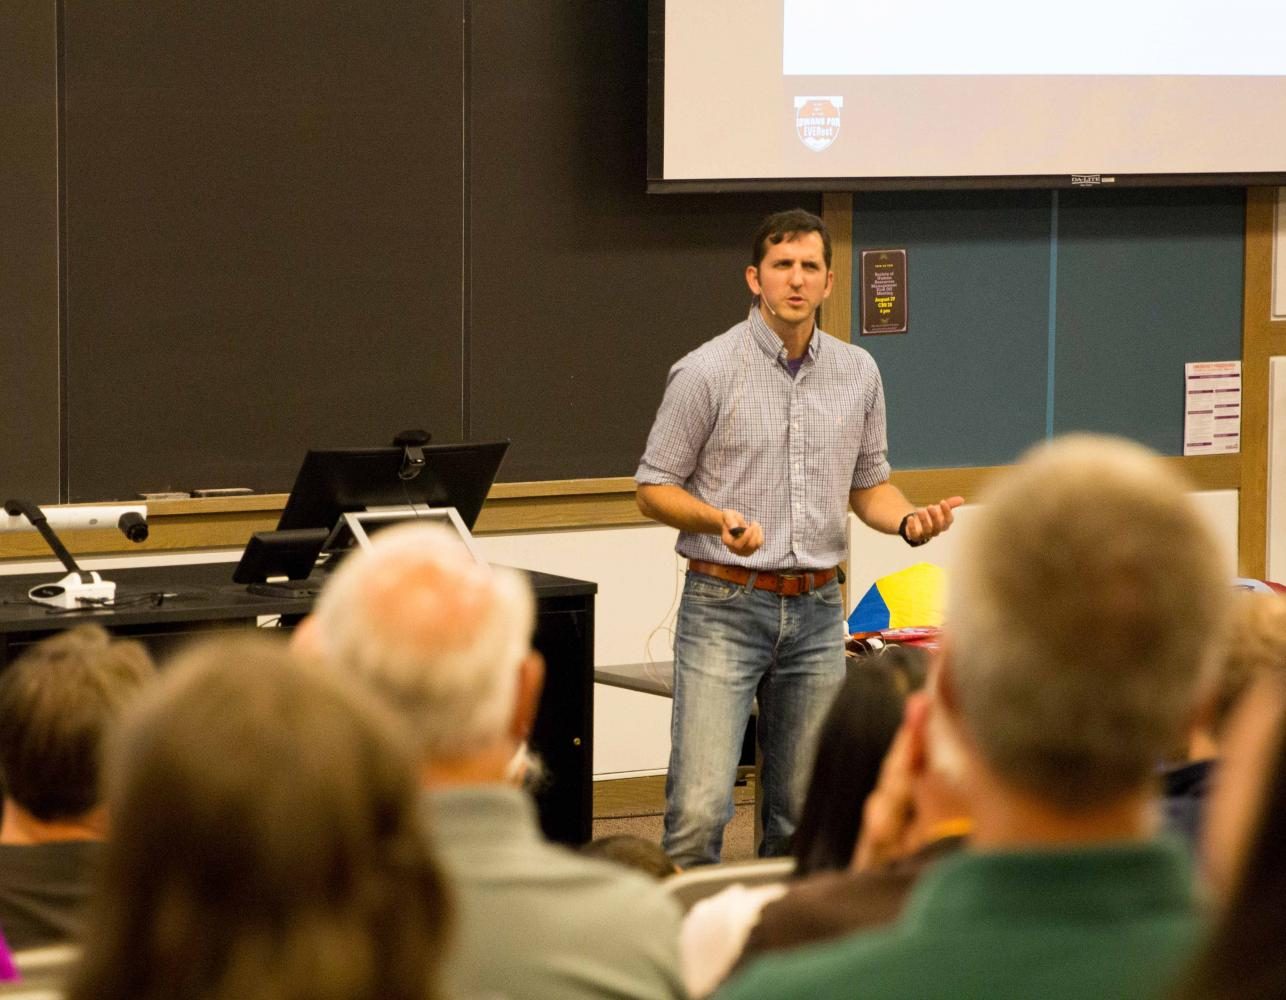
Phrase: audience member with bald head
(447, 642)
(1085, 609)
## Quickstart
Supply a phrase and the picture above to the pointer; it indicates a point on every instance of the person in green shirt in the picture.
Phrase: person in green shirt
(1081, 621)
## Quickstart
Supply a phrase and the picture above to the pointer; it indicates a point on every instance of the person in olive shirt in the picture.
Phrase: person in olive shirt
(1080, 627)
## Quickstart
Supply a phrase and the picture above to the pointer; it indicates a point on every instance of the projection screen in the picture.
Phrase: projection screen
(915, 93)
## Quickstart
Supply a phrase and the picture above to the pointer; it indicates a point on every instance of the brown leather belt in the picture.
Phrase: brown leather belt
(783, 584)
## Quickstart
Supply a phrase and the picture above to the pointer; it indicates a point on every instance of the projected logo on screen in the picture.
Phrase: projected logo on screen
(817, 121)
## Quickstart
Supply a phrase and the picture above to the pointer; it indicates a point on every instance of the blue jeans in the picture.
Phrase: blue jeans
(732, 641)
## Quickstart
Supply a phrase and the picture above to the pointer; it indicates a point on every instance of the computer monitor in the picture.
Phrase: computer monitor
(289, 554)
(335, 482)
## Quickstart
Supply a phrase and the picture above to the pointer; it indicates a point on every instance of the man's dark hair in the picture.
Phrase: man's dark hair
(789, 225)
(57, 701)
(266, 841)
(632, 852)
(851, 745)
(1242, 958)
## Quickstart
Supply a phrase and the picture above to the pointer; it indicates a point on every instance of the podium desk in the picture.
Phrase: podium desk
(207, 603)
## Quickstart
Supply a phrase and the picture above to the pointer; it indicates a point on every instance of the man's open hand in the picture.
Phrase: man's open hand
(931, 521)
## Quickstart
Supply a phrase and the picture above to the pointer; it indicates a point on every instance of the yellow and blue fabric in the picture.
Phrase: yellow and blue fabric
(913, 596)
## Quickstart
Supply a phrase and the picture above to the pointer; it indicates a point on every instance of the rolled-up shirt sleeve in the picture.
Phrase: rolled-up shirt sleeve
(683, 424)
(872, 466)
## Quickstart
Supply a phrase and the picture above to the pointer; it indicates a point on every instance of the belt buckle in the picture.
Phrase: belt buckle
(782, 584)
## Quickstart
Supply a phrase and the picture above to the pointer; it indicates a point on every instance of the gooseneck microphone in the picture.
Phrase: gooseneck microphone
(36, 517)
(79, 588)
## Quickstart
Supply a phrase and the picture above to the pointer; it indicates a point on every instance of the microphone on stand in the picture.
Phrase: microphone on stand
(78, 589)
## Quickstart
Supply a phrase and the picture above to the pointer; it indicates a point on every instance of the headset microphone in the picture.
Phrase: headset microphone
(767, 304)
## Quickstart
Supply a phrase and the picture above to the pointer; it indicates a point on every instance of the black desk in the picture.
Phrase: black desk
(209, 603)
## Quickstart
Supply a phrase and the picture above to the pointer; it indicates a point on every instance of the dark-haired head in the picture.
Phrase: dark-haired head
(58, 701)
(1246, 855)
(855, 736)
(789, 225)
(266, 843)
(625, 849)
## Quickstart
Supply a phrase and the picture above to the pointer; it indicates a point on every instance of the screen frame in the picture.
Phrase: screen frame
(658, 183)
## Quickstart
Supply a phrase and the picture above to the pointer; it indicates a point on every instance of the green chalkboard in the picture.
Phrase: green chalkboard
(1147, 280)
(1036, 313)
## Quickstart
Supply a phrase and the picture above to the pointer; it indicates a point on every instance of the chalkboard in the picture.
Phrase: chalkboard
(584, 289)
(317, 223)
(263, 241)
(29, 432)
(1146, 282)
(1123, 286)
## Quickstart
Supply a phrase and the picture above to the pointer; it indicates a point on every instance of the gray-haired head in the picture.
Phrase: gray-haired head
(1085, 609)
(438, 635)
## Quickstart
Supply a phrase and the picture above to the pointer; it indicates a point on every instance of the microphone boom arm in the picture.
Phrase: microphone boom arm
(78, 589)
(41, 523)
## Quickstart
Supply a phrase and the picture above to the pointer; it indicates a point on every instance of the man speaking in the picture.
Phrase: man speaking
(767, 435)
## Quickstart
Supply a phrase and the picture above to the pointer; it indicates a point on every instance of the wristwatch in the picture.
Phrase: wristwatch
(916, 543)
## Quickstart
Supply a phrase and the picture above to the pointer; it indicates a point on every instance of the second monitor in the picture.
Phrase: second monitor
(335, 482)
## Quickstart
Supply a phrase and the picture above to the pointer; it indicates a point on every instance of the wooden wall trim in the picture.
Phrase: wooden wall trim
(220, 505)
(277, 501)
(178, 525)
(210, 529)
(924, 486)
(1209, 472)
(600, 510)
(1261, 339)
(837, 311)
(561, 488)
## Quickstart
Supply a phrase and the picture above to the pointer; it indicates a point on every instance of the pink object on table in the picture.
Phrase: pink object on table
(8, 971)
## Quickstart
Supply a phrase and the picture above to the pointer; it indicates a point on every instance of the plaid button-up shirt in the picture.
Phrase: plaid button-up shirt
(736, 430)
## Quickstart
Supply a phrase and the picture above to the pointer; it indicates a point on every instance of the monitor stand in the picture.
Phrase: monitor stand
(355, 528)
